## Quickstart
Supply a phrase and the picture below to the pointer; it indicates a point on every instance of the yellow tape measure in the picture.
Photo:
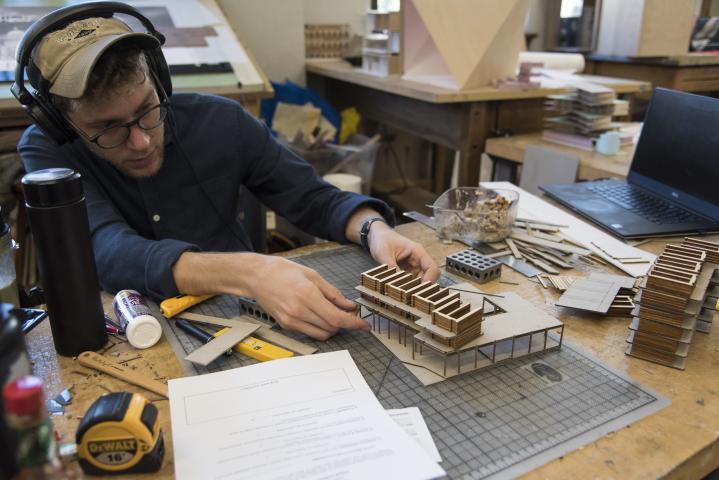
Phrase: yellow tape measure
(120, 433)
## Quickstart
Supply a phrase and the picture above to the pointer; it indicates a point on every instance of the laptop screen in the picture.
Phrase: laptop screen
(677, 155)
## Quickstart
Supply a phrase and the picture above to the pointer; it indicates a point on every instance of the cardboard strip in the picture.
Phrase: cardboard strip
(264, 332)
(513, 248)
(208, 352)
(546, 243)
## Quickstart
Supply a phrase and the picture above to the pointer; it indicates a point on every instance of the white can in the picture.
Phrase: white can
(135, 317)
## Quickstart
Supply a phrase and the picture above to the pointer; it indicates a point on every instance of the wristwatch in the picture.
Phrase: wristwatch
(364, 231)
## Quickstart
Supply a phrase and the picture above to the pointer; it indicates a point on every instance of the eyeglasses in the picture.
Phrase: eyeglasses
(115, 135)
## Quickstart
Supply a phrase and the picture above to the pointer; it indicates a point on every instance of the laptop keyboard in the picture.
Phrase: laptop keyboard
(643, 204)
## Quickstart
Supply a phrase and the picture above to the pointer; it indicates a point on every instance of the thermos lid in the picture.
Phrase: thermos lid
(10, 329)
(52, 187)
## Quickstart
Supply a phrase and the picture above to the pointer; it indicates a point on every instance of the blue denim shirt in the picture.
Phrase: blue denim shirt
(140, 227)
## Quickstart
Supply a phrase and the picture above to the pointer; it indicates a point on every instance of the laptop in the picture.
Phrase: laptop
(673, 182)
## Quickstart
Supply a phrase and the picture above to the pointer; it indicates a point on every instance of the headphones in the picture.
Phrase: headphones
(37, 104)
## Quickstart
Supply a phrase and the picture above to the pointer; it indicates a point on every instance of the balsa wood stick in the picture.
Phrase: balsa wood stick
(98, 362)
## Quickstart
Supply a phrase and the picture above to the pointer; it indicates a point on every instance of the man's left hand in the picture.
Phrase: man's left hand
(388, 246)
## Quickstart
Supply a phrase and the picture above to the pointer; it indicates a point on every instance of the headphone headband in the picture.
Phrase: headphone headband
(39, 108)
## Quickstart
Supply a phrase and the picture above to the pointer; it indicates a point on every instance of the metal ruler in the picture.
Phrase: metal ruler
(509, 260)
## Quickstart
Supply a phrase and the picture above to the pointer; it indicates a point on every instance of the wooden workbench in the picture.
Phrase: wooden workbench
(592, 164)
(681, 441)
(695, 72)
(458, 120)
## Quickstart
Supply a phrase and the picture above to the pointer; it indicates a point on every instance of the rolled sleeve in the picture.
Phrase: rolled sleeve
(159, 281)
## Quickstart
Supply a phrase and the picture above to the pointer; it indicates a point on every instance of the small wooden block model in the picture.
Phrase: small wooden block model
(471, 265)
(673, 302)
(450, 322)
(622, 306)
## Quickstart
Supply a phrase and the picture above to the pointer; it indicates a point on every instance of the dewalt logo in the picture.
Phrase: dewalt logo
(125, 445)
(113, 452)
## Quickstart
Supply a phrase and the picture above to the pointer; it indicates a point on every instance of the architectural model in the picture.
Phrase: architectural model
(677, 297)
(457, 324)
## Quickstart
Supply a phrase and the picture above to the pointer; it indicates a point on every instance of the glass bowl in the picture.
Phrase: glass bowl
(475, 214)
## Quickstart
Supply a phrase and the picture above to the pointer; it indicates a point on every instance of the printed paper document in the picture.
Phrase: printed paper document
(307, 417)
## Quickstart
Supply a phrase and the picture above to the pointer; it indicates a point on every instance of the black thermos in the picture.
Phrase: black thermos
(55, 204)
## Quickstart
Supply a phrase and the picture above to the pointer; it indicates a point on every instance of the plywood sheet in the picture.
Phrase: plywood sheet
(645, 28)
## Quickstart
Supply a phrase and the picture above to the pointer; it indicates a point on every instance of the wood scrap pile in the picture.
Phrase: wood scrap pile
(544, 245)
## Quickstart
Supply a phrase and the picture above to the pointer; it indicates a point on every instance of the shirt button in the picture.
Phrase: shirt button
(156, 218)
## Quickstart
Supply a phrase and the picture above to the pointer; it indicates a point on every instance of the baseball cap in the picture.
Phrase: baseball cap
(65, 58)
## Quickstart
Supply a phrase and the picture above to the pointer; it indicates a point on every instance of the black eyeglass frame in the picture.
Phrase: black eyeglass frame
(164, 103)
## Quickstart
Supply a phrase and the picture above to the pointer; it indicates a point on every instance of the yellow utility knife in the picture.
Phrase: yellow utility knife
(172, 306)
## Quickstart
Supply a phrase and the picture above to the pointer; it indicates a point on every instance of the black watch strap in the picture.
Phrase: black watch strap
(364, 231)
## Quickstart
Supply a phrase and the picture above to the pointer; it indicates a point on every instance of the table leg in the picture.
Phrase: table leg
(478, 122)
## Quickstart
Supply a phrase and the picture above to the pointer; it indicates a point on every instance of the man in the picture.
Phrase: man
(162, 175)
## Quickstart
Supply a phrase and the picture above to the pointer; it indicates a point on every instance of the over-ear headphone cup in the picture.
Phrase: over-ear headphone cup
(49, 121)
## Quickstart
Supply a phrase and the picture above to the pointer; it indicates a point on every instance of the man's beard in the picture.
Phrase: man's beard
(124, 166)
(158, 159)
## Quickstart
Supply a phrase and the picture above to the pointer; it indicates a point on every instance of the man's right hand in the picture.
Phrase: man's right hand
(300, 299)
(294, 295)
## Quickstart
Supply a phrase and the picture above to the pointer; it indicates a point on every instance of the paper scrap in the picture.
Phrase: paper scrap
(411, 421)
(290, 119)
